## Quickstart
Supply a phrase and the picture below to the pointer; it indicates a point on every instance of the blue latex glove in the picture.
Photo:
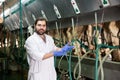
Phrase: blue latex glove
(67, 48)
(59, 53)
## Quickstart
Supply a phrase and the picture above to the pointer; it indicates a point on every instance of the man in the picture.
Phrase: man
(41, 51)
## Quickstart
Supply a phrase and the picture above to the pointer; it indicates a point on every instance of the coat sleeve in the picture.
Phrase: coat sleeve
(33, 50)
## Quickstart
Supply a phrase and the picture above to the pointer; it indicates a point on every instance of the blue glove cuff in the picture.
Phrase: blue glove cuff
(59, 53)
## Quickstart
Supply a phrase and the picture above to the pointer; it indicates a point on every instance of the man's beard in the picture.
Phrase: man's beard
(40, 32)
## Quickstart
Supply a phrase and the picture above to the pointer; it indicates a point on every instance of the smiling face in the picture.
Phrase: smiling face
(40, 27)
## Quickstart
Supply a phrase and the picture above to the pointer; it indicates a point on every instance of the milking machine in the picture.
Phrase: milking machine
(99, 61)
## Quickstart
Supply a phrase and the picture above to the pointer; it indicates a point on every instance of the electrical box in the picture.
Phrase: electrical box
(105, 3)
(57, 11)
(43, 14)
(75, 6)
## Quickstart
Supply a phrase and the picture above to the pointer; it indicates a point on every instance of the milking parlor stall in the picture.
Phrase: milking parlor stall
(91, 26)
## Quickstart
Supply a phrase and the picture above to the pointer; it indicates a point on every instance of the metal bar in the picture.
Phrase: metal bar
(21, 35)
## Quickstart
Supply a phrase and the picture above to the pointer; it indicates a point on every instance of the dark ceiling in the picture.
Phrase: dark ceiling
(87, 9)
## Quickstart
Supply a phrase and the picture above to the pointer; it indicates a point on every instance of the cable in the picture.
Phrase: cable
(97, 50)
(63, 72)
(69, 67)
(78, 65)
(101, 64)
(101, 67)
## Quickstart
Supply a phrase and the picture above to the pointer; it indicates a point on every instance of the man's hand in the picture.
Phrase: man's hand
(67, 48)
(63, 50)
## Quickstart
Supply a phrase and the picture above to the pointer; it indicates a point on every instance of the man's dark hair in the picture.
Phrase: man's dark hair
(40, 19)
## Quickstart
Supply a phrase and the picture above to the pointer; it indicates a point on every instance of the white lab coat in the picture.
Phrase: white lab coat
(36, 48)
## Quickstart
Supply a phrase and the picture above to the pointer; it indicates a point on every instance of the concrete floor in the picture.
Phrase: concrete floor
(11, 75)
(16, 75)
